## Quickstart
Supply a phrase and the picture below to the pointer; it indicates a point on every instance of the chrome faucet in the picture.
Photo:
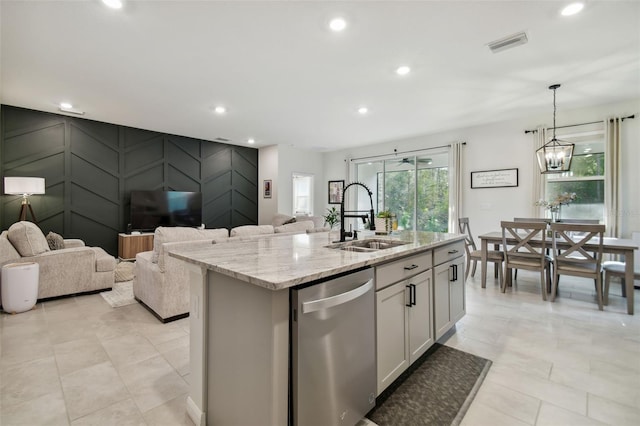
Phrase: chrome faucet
(352, 213)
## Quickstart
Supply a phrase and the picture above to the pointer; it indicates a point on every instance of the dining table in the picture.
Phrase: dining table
(618, 246)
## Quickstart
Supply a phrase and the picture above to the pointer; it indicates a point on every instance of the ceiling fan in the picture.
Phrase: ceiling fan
(411, 160)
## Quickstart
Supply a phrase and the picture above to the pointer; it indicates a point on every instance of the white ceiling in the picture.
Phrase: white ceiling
(286, 79)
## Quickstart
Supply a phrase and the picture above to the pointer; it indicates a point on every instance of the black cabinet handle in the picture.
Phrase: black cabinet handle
(408, 268)
(412, 295)
(413, 290)
(454, 272)
(453, 251)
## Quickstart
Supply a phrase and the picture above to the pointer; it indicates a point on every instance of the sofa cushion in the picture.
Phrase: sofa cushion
(104, 261)
(247, 230)
(318, 221)
(7, 251)
(55, 241)
(295, 227)
(280, 219)
(165, 234)
(27, 238)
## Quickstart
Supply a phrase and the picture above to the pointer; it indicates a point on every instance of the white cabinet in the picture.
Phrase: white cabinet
(448, 287)
(404, 331)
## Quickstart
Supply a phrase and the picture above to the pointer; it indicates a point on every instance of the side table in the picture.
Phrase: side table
(19, 286)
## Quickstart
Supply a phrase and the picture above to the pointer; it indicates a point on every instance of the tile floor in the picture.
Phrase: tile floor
(77, 361)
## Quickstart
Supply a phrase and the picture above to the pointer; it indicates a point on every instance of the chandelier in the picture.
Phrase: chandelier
(555, 156)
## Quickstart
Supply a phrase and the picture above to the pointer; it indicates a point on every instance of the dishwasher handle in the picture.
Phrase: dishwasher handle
(339, 299)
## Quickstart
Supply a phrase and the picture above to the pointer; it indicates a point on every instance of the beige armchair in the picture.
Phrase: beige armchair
(70, 270)
(161, 282)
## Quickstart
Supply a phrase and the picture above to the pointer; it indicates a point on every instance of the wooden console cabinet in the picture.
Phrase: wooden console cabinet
(131, 244)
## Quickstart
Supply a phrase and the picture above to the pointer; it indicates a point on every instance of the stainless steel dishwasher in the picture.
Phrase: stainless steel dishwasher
(333, 360)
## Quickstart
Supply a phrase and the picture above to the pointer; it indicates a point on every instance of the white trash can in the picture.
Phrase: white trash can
(19, 286)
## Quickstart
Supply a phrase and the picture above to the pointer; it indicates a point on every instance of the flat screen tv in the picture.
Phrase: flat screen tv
(150, 209)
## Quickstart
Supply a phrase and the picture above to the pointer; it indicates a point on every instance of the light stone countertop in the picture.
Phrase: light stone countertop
(279, 262)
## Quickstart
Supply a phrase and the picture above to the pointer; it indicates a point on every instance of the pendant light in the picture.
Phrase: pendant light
(555, 156)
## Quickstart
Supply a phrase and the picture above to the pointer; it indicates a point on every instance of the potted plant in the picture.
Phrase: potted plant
(332, 218)
(383, 222)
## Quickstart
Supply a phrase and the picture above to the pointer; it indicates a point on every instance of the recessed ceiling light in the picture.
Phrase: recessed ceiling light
(67, 107)
(403, 70)
(572, 9)
(363, 110)
(113, 4)
(220, 109)
(337, 24)
(251, 141)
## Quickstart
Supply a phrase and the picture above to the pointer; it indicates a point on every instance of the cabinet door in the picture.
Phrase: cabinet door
(420, 329)
(457, 303)
(391, 333)
(441, 304)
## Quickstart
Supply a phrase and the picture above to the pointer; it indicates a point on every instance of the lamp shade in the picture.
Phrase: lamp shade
(23, 185)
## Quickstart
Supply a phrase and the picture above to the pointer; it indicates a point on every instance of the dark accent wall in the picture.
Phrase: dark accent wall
(91, 167)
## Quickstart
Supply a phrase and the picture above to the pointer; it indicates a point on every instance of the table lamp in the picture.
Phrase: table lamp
(25, 186)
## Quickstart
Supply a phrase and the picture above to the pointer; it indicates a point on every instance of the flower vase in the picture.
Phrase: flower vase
(555, 214)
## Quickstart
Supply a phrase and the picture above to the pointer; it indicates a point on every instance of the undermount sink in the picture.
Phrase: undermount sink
(367, 245)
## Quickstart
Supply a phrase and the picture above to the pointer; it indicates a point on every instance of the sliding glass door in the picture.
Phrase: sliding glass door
(413, 188)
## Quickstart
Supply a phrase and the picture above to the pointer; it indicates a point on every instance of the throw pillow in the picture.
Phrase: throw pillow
(292, 220)
(55, 241)
(27, 238)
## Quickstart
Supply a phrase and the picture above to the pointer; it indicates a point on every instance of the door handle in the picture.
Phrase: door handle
(412, 295)
(454, 272)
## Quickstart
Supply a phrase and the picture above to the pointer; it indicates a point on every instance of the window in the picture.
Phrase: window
(585, 178)
(414, 188)
(302, 194)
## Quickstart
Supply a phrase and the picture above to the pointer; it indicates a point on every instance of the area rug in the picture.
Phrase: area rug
(121, 294)
(436, 390)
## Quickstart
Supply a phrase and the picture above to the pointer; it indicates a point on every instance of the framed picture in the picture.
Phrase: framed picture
(267, 188)
(501, 178)
(335, 191)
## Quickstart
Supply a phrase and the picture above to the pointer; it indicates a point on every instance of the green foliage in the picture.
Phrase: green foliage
(433, 197)
(332, 218)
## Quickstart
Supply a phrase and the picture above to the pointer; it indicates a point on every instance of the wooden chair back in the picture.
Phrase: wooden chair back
(463, 227)
(531, 219)
(569, 240)
(517, 240)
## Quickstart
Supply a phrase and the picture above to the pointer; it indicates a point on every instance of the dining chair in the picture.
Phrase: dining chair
(616, 269)
(473, 254)
(571, 257)
(520, 254)
(530, 219)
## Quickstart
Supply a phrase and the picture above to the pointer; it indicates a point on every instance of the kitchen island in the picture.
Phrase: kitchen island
(240, 312)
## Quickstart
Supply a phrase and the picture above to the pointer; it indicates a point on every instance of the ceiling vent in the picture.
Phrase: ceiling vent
(508, 42)
(221, 140)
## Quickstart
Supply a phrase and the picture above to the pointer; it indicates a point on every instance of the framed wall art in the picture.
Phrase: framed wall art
(501, 178)
(335, 191)
(267, 188)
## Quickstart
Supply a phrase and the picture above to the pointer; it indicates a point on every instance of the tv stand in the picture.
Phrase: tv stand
(131, 244)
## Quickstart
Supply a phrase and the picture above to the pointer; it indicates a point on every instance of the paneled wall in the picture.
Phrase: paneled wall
(91, 167)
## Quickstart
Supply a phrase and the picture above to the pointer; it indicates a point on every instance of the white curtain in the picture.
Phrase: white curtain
(455, 185)
(539, 139)
(612, 175)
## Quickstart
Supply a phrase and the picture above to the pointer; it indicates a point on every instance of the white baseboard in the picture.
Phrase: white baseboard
(195, 414)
